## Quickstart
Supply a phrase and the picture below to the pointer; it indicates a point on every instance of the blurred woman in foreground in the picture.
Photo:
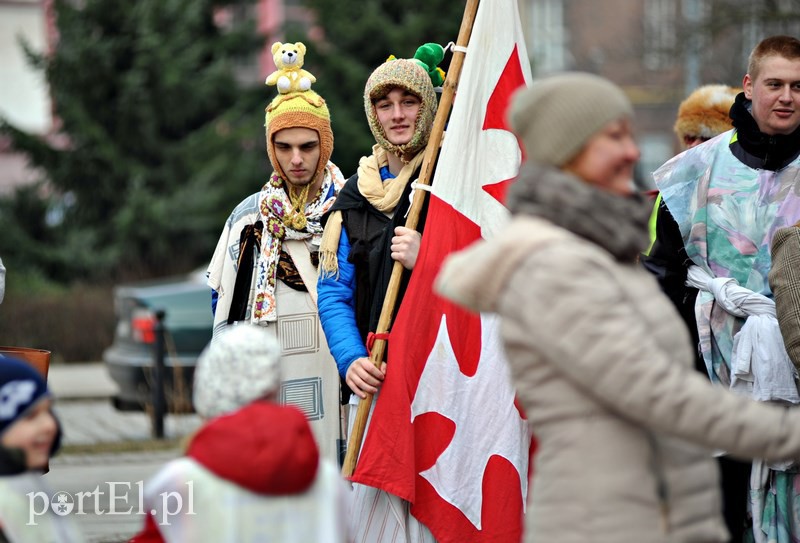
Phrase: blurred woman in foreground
(601, 360)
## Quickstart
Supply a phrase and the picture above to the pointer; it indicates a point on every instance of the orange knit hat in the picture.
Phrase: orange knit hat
(305, 109)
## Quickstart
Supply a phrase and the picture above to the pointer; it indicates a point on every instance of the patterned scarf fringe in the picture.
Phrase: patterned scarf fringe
(382, 195)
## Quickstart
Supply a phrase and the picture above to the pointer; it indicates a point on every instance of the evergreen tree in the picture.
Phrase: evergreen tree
(156, 140)
(358, 37)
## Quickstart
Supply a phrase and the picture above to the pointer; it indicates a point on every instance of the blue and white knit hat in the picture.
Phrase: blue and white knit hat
(21, 387)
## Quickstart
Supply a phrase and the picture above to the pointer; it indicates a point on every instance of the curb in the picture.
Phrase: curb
(65, 459)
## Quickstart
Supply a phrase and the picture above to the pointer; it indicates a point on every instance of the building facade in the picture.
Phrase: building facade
(657, 50)
(24, 97)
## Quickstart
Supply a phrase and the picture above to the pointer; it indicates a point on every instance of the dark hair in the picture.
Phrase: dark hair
(384, 92)
(775, 46)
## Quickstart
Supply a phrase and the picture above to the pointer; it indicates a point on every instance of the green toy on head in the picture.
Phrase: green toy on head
(415, 76)
(429, 55)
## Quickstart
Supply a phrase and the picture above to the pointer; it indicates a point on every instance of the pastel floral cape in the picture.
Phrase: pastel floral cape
(727, 213)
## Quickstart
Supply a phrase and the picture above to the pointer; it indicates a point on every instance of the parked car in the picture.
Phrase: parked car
(188, 322)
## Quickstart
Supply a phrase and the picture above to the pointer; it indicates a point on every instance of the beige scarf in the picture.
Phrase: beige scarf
(382, 195)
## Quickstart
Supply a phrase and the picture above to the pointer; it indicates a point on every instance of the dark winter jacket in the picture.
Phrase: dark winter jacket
(350, 304)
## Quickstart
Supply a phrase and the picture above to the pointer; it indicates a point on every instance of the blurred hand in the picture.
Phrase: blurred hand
(405, 246)
(363, 377)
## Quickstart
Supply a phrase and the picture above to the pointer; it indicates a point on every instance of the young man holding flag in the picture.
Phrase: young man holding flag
(364, 233)
(363, 238)
(445, 435)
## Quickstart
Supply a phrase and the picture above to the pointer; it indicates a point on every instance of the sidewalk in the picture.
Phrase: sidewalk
(83, 405)
(85, 381)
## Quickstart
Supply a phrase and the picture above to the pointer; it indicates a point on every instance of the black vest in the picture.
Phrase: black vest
(370, 233)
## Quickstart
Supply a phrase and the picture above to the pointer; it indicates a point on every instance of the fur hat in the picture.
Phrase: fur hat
(409, 75)
(557, 114)
(704, 113)
(299, 110)
(241, 365)
(21, 387)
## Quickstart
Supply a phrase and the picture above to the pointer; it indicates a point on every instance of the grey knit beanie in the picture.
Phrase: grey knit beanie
(557, 114)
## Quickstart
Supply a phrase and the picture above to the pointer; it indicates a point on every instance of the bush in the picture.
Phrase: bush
(75, 324)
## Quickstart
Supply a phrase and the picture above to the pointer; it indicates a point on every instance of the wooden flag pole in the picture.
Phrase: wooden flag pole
(431, 154)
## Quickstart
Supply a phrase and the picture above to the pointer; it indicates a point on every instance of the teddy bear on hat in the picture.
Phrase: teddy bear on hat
(290, 76)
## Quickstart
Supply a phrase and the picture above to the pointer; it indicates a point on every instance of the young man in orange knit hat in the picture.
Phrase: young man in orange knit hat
(263, 271)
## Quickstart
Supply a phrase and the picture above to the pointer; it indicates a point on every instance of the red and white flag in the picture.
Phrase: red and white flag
(446, 433)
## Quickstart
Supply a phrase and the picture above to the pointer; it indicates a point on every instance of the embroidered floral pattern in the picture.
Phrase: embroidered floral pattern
(275, 227)
(274, 205)
(264, 304)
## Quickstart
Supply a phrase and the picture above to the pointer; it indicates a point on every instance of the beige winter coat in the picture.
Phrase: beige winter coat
(602, 364)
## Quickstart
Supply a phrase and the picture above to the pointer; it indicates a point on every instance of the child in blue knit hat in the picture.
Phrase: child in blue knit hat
(29, 436)
(29, 432)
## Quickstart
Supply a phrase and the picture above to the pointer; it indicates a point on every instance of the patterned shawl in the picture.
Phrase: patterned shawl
(271, 206)
(275, 209)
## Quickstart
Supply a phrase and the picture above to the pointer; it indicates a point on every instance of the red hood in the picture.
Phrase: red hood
(263, 447)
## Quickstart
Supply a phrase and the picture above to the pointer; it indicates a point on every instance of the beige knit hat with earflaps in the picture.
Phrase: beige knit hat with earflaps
(409, 75)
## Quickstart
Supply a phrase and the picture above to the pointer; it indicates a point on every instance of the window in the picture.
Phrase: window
(697, 41)
(768, 19)
(547, 36)
(660, 38)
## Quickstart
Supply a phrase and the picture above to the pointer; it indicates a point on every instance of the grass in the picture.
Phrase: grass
(145, 445)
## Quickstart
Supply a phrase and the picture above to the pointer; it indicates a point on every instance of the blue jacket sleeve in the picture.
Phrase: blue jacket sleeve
(336, 305)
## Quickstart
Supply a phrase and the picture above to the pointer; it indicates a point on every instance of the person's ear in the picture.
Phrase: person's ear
(747, 85)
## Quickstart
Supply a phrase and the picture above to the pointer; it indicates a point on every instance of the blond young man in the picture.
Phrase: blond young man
(364, 236)
(722, 203)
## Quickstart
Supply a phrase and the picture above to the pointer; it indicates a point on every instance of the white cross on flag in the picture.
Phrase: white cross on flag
(446, 433)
